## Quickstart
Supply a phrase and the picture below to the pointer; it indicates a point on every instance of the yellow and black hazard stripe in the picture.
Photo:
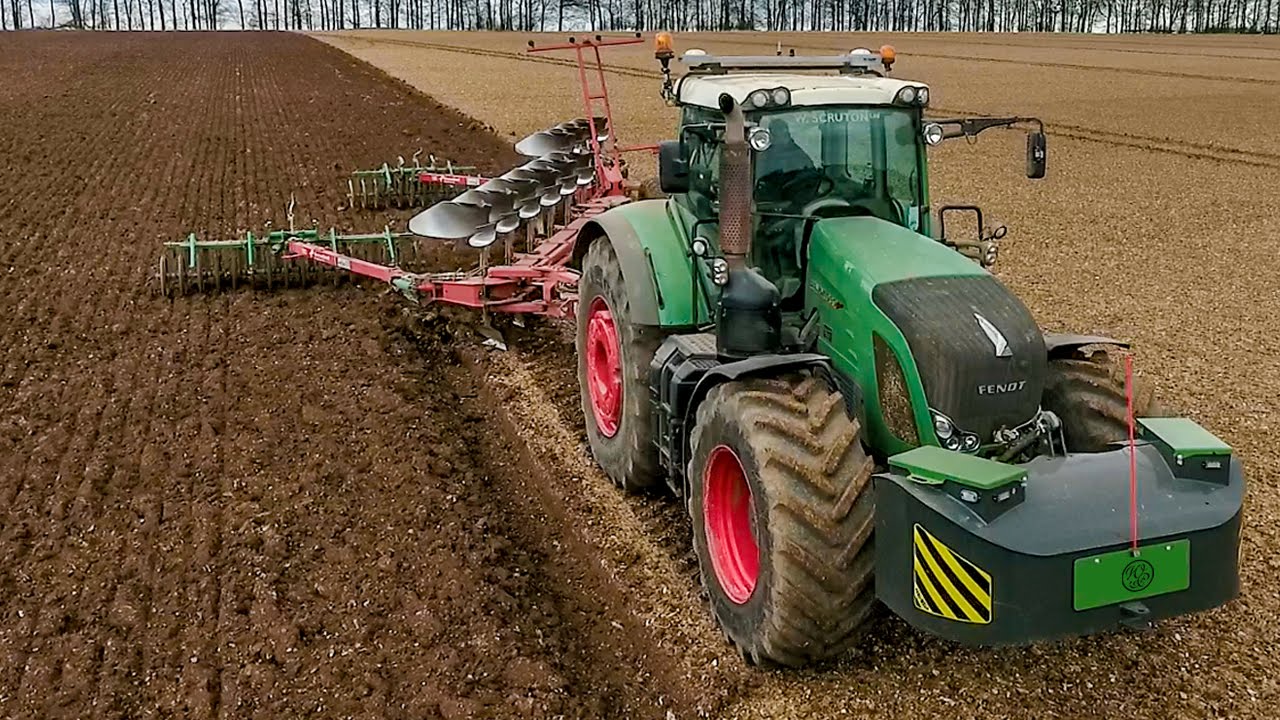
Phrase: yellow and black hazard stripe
(947, 585)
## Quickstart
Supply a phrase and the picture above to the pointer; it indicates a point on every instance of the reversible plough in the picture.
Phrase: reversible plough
(854, 409)
(536, 210)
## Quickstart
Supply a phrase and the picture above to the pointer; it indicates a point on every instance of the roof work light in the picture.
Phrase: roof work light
(663, 46)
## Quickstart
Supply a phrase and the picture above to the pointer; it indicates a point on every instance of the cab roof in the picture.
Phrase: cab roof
(704, 90)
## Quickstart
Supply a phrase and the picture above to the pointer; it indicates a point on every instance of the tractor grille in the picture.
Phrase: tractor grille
(963, 376)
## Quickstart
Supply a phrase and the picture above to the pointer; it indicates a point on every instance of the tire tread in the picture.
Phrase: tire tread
(816, 477)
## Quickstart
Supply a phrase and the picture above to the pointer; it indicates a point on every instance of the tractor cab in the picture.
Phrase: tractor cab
(821, 146)
(826, 137)
(849, 157)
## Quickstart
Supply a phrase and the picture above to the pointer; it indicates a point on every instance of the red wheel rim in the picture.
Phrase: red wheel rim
(604, 367)
(726, 512)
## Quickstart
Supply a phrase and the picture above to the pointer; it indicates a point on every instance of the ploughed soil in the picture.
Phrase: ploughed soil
(300, 504)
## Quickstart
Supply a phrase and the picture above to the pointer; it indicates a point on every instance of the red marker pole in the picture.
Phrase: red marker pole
(1133, 455)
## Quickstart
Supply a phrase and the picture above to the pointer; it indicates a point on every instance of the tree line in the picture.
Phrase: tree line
(1111, 16)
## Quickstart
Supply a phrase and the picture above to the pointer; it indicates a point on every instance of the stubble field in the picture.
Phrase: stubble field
(317, 504)
(1151, 226)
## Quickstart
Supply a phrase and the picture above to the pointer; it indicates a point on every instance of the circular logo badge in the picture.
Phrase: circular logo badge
(1137, 575)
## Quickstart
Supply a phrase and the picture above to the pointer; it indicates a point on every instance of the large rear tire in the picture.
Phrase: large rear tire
(783, 512)
(1087, 392)
(613, 372)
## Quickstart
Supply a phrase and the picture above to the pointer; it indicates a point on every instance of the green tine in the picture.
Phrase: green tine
(248, 247)
(391, 248)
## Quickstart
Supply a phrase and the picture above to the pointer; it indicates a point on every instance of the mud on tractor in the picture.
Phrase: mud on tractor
(852, 406)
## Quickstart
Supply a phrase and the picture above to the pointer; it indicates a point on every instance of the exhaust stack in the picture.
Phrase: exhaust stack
(750, 319)
(735, 186)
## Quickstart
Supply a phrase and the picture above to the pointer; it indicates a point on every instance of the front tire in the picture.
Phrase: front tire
(783, 511)
(1087, 392)
(613, 372)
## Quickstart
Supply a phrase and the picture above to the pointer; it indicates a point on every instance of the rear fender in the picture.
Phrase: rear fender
(763, 366)
(656, 263)
(1061, 345)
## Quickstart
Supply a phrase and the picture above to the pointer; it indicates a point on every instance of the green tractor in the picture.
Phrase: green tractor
(853, 407)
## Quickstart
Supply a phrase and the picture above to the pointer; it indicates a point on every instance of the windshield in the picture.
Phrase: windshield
(864, 156)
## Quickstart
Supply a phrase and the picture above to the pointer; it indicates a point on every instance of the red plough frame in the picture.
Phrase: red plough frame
(539, 281)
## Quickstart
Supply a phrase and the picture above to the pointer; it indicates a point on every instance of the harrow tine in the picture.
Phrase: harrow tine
(162, 285)
(333, 245)
(233, 271)
(201, 261)
(268, 263)
(287, 270)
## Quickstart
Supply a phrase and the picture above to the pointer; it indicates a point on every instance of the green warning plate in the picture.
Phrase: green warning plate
(1121, 576)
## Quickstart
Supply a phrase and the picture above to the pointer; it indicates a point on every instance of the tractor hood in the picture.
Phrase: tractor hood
(977, 351)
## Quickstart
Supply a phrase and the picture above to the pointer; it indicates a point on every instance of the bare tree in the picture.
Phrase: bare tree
(1080, 16)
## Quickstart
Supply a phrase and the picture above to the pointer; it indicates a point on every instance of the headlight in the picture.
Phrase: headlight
(951, 437)
(942, 427)
(720, 271)
(760, 139)
(759, 99)
(912, 95)
(933, 133)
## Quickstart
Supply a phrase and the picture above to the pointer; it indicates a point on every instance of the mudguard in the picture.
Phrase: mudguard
(762, 365)
(774, 365)
(656, 263)
(1061, 345)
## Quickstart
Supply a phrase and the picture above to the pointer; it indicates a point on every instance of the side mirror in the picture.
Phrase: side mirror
(949, 209)
(1037, 155)
(673, 169)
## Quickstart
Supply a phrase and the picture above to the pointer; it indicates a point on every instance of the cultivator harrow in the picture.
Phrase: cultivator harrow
(409, 185)
(264, 261)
